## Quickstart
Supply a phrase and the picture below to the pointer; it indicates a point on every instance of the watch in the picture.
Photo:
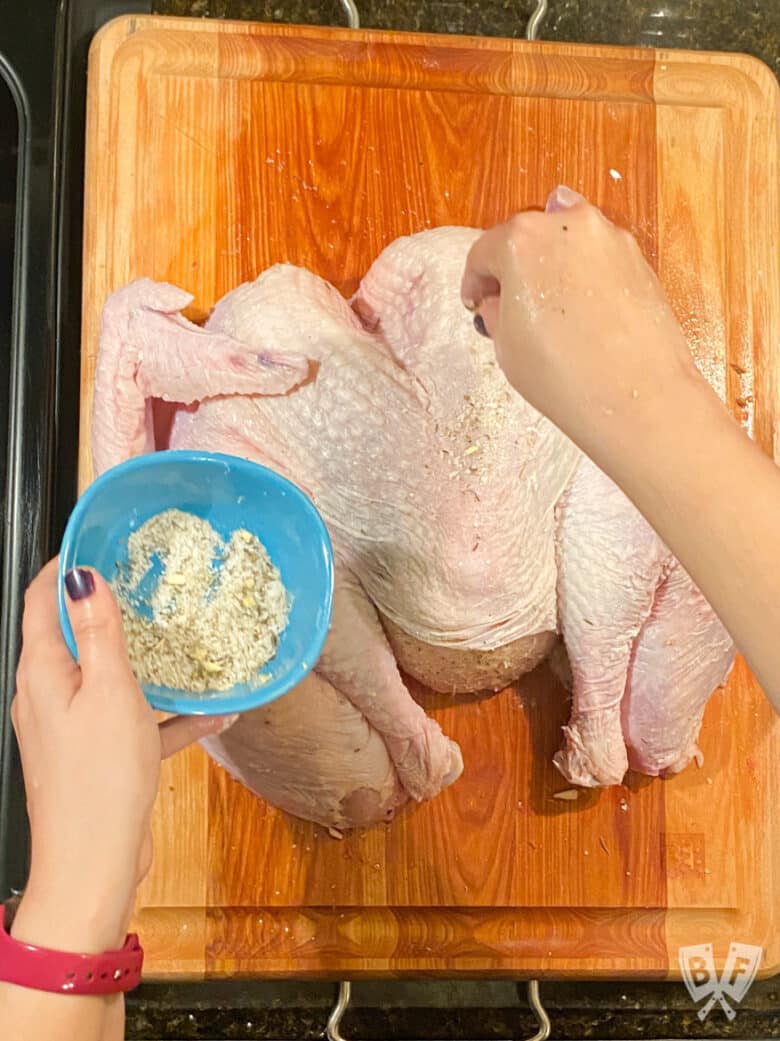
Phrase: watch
(61, 973)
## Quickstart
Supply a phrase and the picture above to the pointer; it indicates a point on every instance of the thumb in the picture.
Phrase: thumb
(97, 625)
(486, 321)
(178, 732)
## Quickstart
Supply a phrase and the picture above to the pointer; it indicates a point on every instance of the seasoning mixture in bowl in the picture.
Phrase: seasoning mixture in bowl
(200, 613)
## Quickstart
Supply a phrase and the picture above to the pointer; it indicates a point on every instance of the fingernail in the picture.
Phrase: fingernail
(470, 305)
(479, 325)
(79, 583)
(563, 198)
(228, 722)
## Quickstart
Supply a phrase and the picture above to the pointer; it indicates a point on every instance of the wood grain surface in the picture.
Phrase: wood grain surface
(215, 149)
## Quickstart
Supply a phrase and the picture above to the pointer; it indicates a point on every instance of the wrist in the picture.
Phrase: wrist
(641, 429)
(71, 918)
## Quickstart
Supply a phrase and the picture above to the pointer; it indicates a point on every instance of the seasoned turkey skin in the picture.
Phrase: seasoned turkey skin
(467, 529)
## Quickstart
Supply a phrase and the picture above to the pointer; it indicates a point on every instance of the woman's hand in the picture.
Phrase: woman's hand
(91, 750)
(582, 329)
(580, 323)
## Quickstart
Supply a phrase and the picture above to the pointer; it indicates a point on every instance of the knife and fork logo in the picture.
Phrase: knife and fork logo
(697, 964)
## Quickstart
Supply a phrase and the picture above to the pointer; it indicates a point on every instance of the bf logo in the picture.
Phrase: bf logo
(697, 964)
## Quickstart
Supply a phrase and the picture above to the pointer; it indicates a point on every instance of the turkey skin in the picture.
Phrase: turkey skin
(469, 532)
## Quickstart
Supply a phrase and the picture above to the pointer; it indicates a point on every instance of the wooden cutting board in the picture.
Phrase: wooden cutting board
(215, 149)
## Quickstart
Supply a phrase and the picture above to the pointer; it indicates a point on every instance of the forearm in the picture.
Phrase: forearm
(60, 924)
(714, 498)
(31, 1015)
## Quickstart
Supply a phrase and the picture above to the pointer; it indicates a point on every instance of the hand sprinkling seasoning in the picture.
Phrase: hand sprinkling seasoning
(216, 613)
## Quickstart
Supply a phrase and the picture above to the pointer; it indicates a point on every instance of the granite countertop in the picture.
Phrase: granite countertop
(752, 26)
(391, 1009)
(445, 1010)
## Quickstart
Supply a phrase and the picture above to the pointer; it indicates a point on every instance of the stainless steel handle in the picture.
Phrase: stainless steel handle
(535, 21)
(534, 1000)
(352, 13)
(333, 1029)
(532, 28)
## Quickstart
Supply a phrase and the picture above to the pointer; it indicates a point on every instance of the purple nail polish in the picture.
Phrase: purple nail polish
(563, 198)
(479, 325)
(79, 583)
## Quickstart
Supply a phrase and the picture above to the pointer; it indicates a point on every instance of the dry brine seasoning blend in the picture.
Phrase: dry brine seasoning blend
(216, 613)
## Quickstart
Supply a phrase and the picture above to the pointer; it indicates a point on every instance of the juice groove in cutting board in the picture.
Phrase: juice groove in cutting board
(216, 149)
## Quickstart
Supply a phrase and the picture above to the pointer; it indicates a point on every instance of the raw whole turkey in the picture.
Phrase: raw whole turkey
(468, 531)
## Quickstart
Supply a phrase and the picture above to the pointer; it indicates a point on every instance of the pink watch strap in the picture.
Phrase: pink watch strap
(63, 973)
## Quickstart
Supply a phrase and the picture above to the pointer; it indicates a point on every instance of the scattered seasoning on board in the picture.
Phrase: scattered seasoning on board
(216, 613)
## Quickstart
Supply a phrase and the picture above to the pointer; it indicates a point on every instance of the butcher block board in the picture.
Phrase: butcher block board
(215, 149)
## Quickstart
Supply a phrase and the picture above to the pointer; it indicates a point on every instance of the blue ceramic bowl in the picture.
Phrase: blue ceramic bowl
(229, 493)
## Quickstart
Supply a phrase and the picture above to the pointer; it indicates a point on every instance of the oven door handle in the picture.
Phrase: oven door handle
(43, 64)
(333, 1028)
